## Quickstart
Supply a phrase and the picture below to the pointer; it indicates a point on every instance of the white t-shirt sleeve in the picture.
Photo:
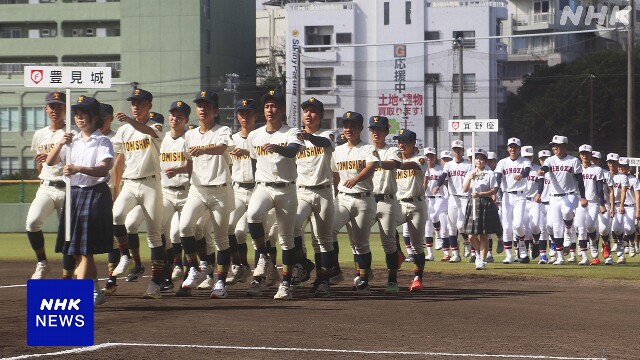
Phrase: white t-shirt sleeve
(104, 150)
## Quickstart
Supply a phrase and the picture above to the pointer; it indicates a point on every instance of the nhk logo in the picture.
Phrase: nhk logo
(60, 312)
(578, 17)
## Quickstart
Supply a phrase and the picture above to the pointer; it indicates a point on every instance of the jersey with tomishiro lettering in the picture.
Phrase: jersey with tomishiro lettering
(242, 166)
(433, 174)
(348, 162)
(532, 186)
(509, 170)
(173, 153)
(141, 151)
(591, 175)
(43, 141)
(561, 174)
(619, 181)
(384, 181)
(209, 169)
(314, 162)
(456, 172)
(634, 186)
(271, 166)
(411, 181)
(608, 185)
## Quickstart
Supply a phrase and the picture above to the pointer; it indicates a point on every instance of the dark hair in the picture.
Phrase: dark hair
(95, 117)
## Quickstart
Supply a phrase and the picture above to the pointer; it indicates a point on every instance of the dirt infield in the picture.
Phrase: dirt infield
(455, 317)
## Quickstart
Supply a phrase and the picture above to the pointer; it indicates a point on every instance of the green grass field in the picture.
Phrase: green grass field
(10, 193)
(16, 248)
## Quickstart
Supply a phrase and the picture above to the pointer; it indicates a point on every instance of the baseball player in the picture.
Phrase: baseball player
(455, 171)
(139, 143)
(210, 192)
(274, 147)
(355, 163)
(625, 206)
(511, 173)
(533, 210)
(436, 205)
(565, 175)
(384, 190)
(410, 178)
(586, 221)
(315, 197)
(604, 219)
(445, 157)
(51, 193)
(542, 186)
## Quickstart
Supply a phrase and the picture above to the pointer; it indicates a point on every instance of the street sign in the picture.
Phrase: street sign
(67, 77)
(634, 161)
(473, 125)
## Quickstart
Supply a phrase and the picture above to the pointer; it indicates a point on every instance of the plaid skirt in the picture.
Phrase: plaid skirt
(91, 222)
(487, 218)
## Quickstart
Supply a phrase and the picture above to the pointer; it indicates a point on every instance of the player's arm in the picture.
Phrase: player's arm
(99, 170)
(543, 170)
(319, 141)
(623, 197)
(441, 179)
(118, 170)
(600, 192)
(365, 174)
(143, 128)
(637, 193)
(390, 165)
(290, 151)
(336, 182)
(182, 169)
(217, 149)
(540, 188)
(410, 165)
(54, 155)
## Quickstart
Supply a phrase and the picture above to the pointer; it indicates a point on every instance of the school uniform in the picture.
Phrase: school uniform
(487, 220)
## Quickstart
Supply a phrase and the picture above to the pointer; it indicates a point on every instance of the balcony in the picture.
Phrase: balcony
(532, 21)
(319, 83)
(501, 51)
(328, 56)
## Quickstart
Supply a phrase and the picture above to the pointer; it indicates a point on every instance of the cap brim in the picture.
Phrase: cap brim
(83, 107)
(381, 126)
(56, 102)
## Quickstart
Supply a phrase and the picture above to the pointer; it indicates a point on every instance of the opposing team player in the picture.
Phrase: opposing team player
(436, 205)
(51, 193)
(627, 212)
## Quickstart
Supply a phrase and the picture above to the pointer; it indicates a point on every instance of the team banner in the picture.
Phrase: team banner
(60, 313)
(67, 77)
(473, 125)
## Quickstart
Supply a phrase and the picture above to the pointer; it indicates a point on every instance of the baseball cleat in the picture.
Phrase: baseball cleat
(621, 260)
(362, 288)
(543, 259)
(135, 273)
(264, 263)
(207, 283)
(273, 276)
(194, 278)
(438, 244)
(177, 274)
(336, 276)
(594, 250)
(559, 261)
(572, 258)
(124, 266)
(508, 260)
(42, 269)
(153, 291)
(409, 259)
(238, 274)
(455, 258)
(219, 291)
(284, 292)
(429, 257)
(183, 292)
(608, 261)
(472, 259)
(606, 251)
(445, 258)
(481, 265)
(632, 250)
(614, 247)
(392, 288)
(595, 262)
(584, 262)
(255, 288)
(109, 288)
(167, 285)
(500, 246)
(416, 285)
(525, 260)
(322, 290)
(98, 298)
(467, 249)
(489, 259)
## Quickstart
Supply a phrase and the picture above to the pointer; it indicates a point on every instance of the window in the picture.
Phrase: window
(540, 7)
(386, 13)
(9, 119)
(467, 42)
(9, 165)
(343, 80)
(343, 38)
(10, 33)
(468, 82)
(432, 35)
(407, 12)
(34, 118)
(207, 41)
(206, 8)
(431, 78)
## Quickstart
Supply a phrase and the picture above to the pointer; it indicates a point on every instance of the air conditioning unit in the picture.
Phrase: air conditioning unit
(45, 33)
(313, 30)
(77, 32)
(90, 32)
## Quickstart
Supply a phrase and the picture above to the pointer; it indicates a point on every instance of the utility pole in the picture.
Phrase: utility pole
(630, 92)
(233, 80)
(433, 80)
(591, 142)
(458, 44)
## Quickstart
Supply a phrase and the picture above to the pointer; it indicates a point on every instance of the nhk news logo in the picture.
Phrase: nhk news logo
(603, 15)
(60, 313)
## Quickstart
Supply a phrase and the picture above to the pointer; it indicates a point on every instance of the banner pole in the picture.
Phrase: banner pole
(67, 198)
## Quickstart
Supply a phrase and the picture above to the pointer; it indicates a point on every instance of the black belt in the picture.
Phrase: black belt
(181, 187)
(558, 195)
(412, 199)
(357, 195)
(214, 186)
(314, 187)
(55, 184)
(142, 178)
(246, 185)
(516, 192)
(544, 203)
(382, 197)
(276, 184)
(461, 196)
(434, 196)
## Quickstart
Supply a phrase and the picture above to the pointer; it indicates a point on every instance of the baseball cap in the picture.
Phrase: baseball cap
(313, 102)
(181, 106)
(246, 104)
(341, 139)
(479, 151)
(106, 109)
(457, 143)
(526, 150)
(559, 139)
(207, 95)
(56, 97)
(596, 154)
(586, 148)
(613, 157)
(491, 155)
(623, 161)
(140, 94)
(430, 150)
(513, 140)
(446, 154)
(87, 103)
(405, 135)
(156, 117)
(379, 122)
(275, 95)
(352, 116)
(544, 153)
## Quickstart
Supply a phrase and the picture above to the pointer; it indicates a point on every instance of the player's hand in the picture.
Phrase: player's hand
(584, 202)
(621, 210)
(123, 118)
(474, 195)
(66, 138)
(518, 177)
(612, 212)
(239, 152)
(537, 198)
(269, 147)
(350, 183)
(603, 209)
(195, 152)
(171, 172)
(436, 190)
(71, 169)
(40, 158)
(540, 172)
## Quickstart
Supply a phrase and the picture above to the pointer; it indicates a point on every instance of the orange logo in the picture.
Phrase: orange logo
(348, 114)
(271, 92)
(375, 119)
(401, 132)
(312, 100)
(179, 103)
(137, 91)
(56, 95)
(152, 115)
(80, 98)
(203, 93)
(244, 102)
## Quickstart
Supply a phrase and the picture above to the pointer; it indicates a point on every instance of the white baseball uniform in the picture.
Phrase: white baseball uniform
(173, 153)
(586, 220)
(437, 204)
(458, 199)
(387, 207)
(411, 195)
(563, 191)
(514, 196)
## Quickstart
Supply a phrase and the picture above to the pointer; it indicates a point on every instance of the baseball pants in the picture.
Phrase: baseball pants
(414, 214)
(284, 201)
(214, 200)
(437, 209)
(358, 214)
(148, 194)
(534, 215)
(604, 222)
(513, 215)
(317, 206)
(624, 223)
(48, 199)
(586, 219)
(561, 209)
(456, 208)
(388, 217)
(172, 203)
